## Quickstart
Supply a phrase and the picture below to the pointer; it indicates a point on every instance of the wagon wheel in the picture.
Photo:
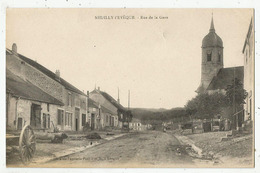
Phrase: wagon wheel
(27, 144)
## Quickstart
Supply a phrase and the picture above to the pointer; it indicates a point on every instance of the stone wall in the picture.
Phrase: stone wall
(37, 78)
(209, 69)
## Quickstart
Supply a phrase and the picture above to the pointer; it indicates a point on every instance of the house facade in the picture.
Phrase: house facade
(136, 125)
(116, 110)
(99, 117)
(249, 61)
(28, 106)
(67, 117)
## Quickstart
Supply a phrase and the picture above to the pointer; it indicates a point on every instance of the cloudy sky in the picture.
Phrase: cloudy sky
(158, 60)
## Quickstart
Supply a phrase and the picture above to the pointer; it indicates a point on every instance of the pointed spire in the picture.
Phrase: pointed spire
(212, 29)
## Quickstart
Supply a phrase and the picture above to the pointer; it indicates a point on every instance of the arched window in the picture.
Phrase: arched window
(209, 56)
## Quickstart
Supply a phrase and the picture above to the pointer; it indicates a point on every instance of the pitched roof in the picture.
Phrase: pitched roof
(111, 100)
(24, 89)
(47, 72)
(225, 77)
(93, 104)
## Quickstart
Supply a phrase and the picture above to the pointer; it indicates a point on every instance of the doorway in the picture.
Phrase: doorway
(35, 119)
(77, 113)
(77, 124)
(92, 121)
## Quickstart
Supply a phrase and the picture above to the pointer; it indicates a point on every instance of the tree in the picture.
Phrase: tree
(205, 106)
(235, 95)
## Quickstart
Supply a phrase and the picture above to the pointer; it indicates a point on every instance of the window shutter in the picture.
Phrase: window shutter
(49, 121)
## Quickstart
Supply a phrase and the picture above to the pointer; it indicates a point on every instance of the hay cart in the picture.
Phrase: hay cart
(23, 141)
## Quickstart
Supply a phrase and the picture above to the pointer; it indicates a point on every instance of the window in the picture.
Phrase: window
(69, 99)
(49, 121)
(83, 119)
(209, 56)
(107, 118)
(60, 117)
(48, 107)
(46, 121)
(68, 119)
(219, 57)
(20, 123)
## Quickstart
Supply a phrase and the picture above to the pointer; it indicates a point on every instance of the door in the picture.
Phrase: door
(92, 121)
(77, 124)
(20, 123)
(77, 112)
(35, 116)
(83, 120)
(112, 121)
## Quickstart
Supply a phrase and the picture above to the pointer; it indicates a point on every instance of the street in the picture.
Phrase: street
(142, 149)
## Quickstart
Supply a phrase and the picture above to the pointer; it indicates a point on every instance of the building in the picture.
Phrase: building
(249, 52)
(72, 113)
(211, 57)
(136, 125)
(216, 78)
(28, 106)
(118, 112)
(99, 117)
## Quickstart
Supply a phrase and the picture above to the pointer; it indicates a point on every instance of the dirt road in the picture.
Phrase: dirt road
(145, 149)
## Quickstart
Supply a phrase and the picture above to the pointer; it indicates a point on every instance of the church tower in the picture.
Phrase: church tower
(211, 57)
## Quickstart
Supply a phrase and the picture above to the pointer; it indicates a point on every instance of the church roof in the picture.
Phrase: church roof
(225, 77)
(212, 39)
(24, 89)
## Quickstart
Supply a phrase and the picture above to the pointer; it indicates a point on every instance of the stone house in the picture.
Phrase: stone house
(28, 106)
(72, 113)
(118, 112)
(98, 117)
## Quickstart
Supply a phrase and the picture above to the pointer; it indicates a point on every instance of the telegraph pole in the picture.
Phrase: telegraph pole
(128, 99)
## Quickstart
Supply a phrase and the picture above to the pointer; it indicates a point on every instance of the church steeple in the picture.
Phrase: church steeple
(211, 57)
(212, 29)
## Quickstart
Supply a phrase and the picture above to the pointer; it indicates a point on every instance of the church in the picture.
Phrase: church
(214, 77)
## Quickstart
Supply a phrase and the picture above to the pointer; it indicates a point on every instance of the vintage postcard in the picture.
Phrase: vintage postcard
(127, 88)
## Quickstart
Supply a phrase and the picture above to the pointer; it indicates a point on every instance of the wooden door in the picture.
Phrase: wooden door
(92, 121)
(35, 116)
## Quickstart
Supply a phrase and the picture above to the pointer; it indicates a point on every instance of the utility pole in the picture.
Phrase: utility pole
(128, 99)
(234, 98)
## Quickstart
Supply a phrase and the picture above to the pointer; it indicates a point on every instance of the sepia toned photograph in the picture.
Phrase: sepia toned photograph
(130, 88)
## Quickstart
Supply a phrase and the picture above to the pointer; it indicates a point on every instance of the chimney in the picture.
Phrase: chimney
(87, 94)
(57, 74)
(98, 88)
(118, 100)
(14, 48)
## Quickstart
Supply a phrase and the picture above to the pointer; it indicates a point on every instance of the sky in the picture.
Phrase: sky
(158, 60)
